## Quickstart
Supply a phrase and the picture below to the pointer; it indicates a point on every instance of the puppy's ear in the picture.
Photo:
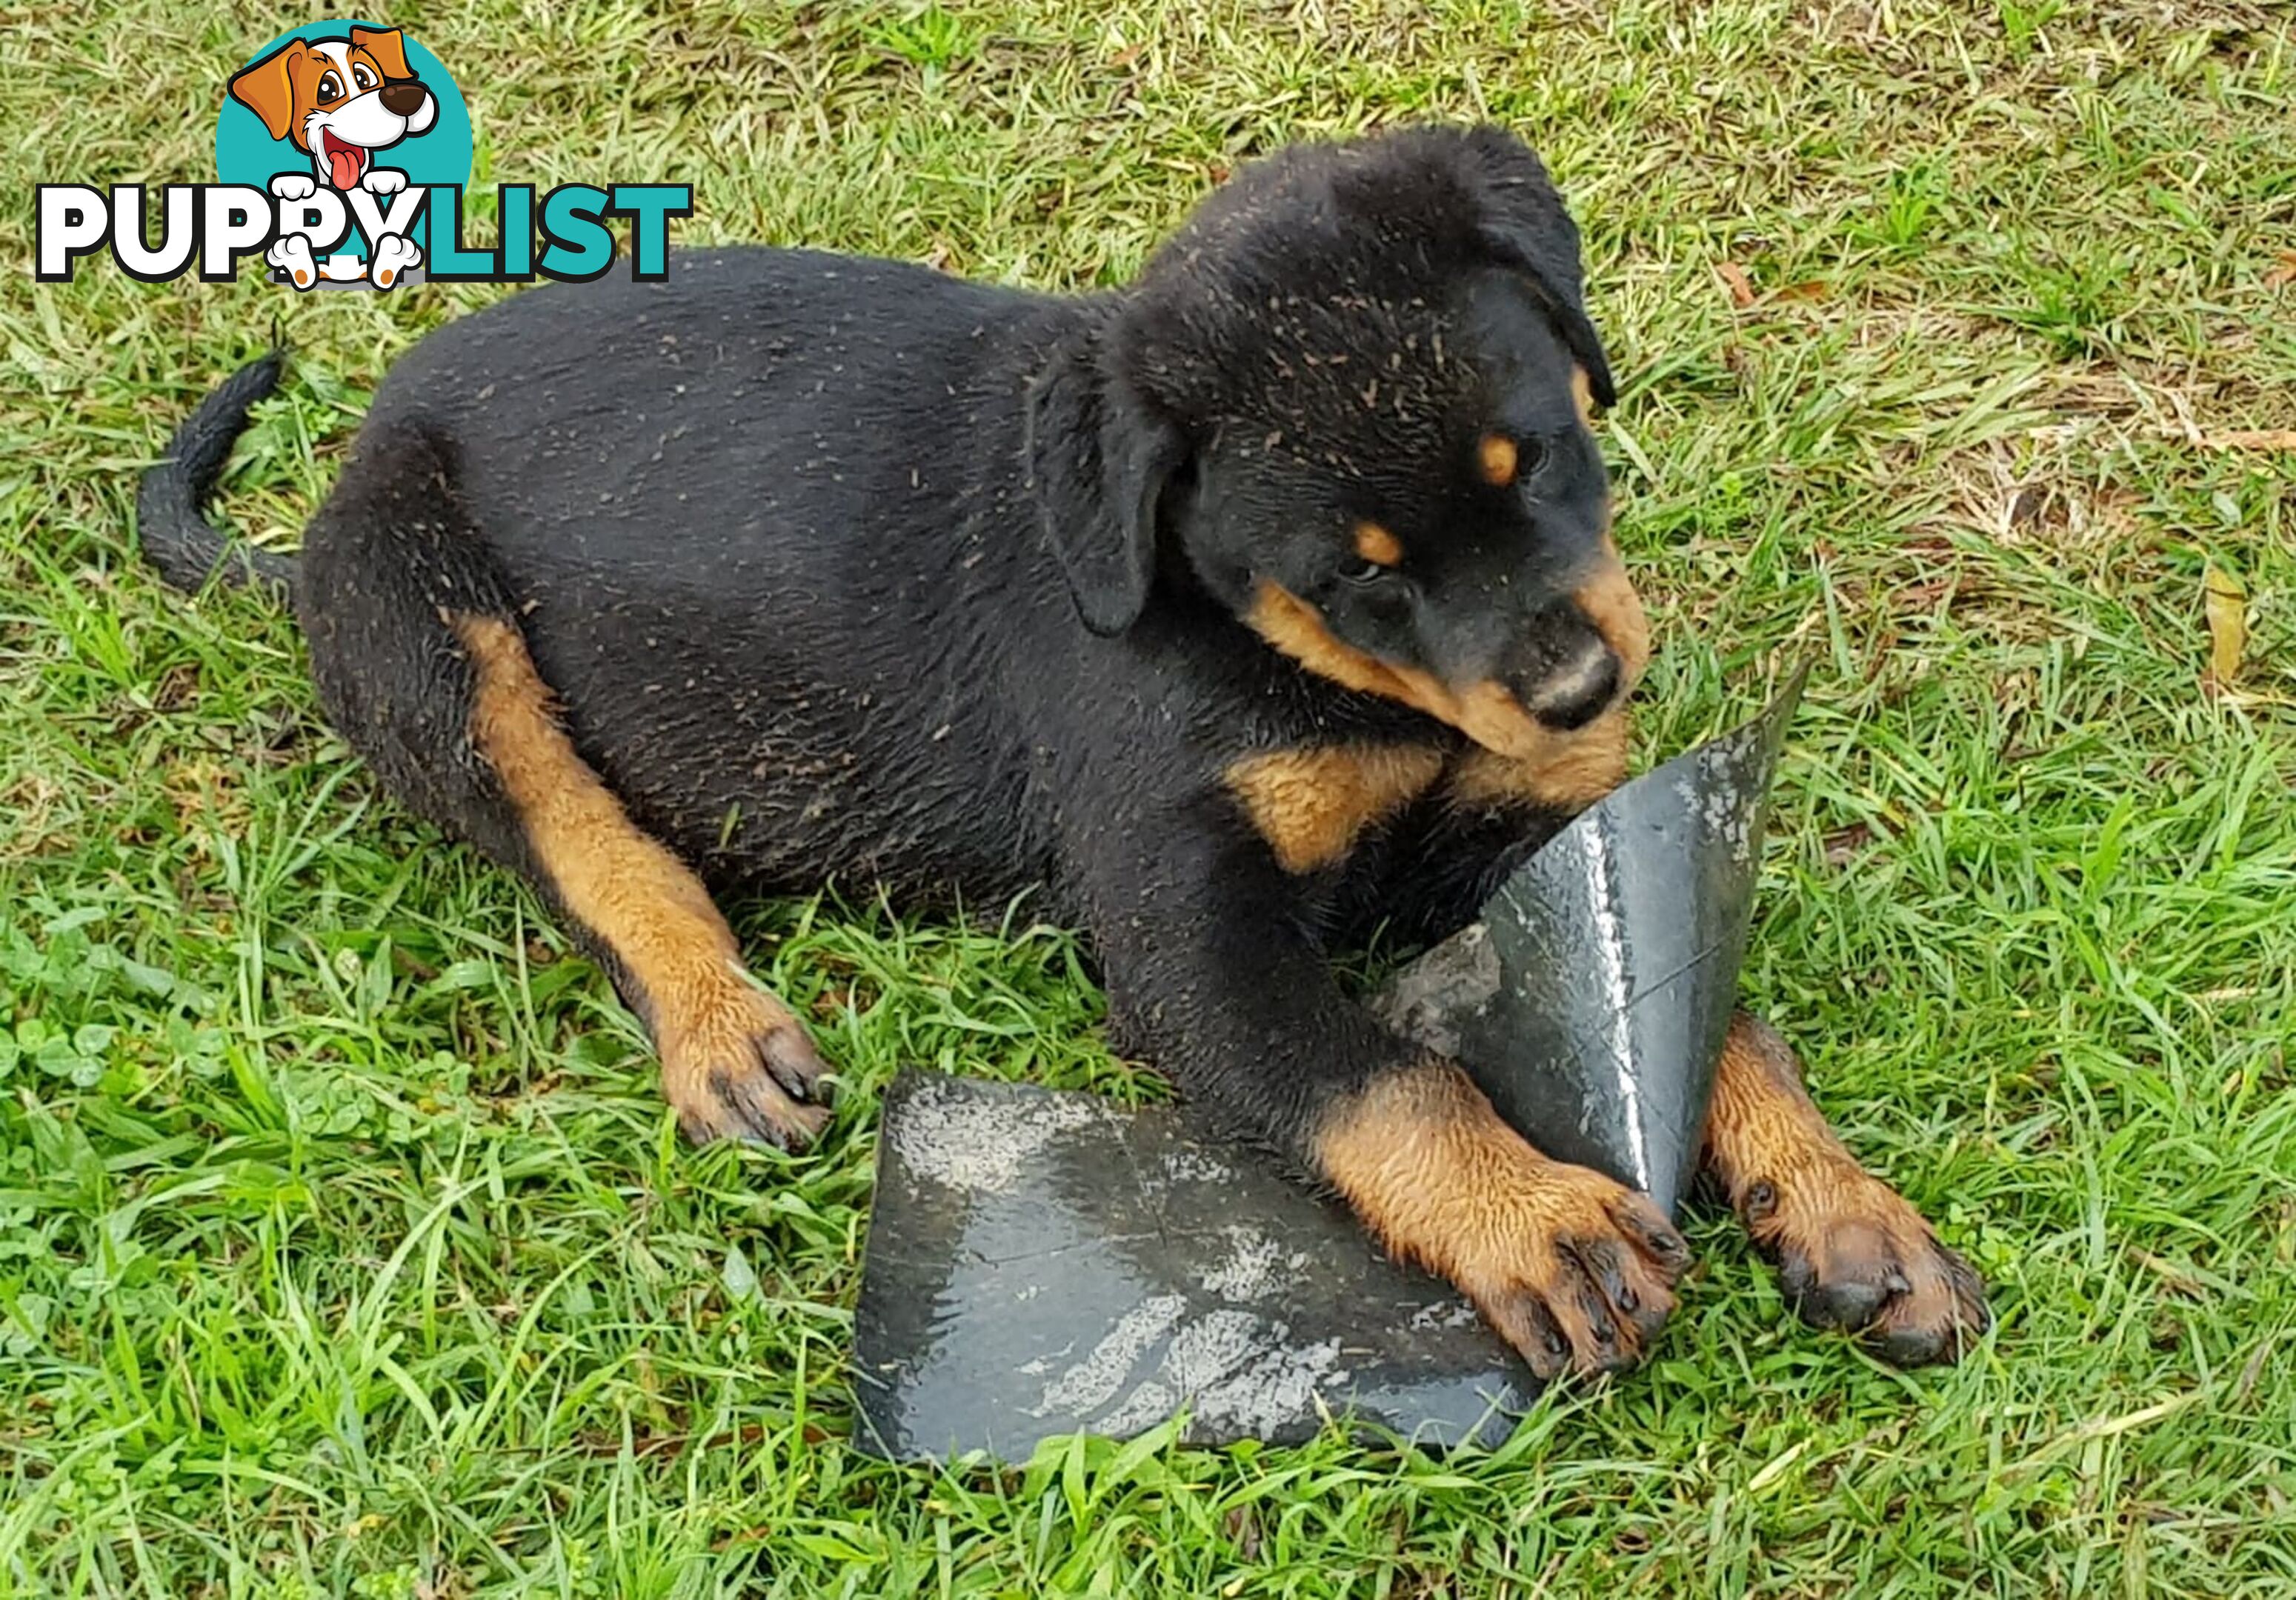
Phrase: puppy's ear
(1099, 459)
(268, 87)
(1525, 226)
(387, 46)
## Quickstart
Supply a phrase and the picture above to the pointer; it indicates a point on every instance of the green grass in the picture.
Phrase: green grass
(346, 1248)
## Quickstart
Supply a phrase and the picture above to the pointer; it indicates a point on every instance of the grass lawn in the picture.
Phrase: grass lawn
(346, 1247)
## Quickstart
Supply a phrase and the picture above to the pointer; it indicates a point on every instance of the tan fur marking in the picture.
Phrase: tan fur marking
(1568, 772)
(1312, 805)
(1582, 389)
(1486, 712)
(1495, 458)
(711, 1023)
(1616, 610)
(1442, 1181)
(1374, 543)
(1762, 1121)
(1425, 1160)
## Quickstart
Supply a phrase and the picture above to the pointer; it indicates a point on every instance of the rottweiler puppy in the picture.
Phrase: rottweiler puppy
(1264, 600)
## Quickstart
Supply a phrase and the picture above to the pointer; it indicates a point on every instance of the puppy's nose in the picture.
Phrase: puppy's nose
(404, 96)
(1579, 689)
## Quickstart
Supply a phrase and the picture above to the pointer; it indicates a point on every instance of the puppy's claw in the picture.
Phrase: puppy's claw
(1636, 1215)
(751, 1111)
(795, 1064)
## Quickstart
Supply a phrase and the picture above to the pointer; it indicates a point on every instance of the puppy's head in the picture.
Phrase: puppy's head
(339, 99)
(1349, 401)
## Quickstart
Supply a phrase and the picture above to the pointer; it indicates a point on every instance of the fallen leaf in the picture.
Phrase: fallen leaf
(740, 1278)
(2255, 438)
(2224, 602)
(1735, 279)
(2284, 272)
(1842, 845)
(1810, 289)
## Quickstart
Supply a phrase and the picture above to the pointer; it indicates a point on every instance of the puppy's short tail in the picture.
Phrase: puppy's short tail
(177, 540)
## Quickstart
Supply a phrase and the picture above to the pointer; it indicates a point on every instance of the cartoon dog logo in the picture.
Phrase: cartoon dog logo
(339, 101)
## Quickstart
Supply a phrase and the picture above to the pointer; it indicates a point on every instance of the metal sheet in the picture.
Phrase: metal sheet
(1043, 1263)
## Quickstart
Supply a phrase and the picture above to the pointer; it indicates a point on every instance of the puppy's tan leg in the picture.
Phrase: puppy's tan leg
(1851, 1252)
(735, 1060)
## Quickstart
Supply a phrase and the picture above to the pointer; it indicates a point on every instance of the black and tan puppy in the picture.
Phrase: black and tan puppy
(1268, 599)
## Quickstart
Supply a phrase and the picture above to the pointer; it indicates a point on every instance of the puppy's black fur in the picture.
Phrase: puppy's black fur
(1239, 610)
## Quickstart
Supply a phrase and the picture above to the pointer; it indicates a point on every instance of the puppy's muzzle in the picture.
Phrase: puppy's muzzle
(1579, 688)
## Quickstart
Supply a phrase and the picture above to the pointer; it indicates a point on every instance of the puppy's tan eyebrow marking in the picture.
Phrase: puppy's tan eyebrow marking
(1495, 457)
(1374, 543)
(1582, 389)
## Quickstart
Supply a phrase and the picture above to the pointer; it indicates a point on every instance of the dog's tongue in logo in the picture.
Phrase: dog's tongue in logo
(345, 160)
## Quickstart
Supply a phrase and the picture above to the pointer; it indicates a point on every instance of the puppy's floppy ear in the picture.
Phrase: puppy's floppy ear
(1525, 226)
(1099, 458)
(387, 46)
(268, 87)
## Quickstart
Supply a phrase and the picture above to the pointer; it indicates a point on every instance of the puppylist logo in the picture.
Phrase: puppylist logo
(342, 154)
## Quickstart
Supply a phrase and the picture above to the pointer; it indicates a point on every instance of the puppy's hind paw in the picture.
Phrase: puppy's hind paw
(736, 1063)
(292, 256)
(395, 257)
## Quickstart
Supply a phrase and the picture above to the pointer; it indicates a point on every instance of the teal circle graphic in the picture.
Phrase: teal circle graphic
(247, 154)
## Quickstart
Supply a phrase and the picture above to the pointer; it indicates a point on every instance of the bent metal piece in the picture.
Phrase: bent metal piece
(1591, 997)
(1043, 1263)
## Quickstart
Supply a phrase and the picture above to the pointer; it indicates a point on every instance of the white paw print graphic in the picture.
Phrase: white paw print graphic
(292, 256)
(395, 255)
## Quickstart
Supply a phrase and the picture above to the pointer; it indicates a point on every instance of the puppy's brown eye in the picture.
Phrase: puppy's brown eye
(331, 88)
(1530, 456)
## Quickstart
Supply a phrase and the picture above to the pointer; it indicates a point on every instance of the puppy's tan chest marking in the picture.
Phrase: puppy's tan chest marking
(1312, 805)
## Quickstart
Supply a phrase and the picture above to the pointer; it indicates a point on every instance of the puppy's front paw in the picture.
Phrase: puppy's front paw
(1575, 1270)
(294, 185)
(736, 1063)
(383, 180)
(292, 256)
(395, 255)
(1852, 1253)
